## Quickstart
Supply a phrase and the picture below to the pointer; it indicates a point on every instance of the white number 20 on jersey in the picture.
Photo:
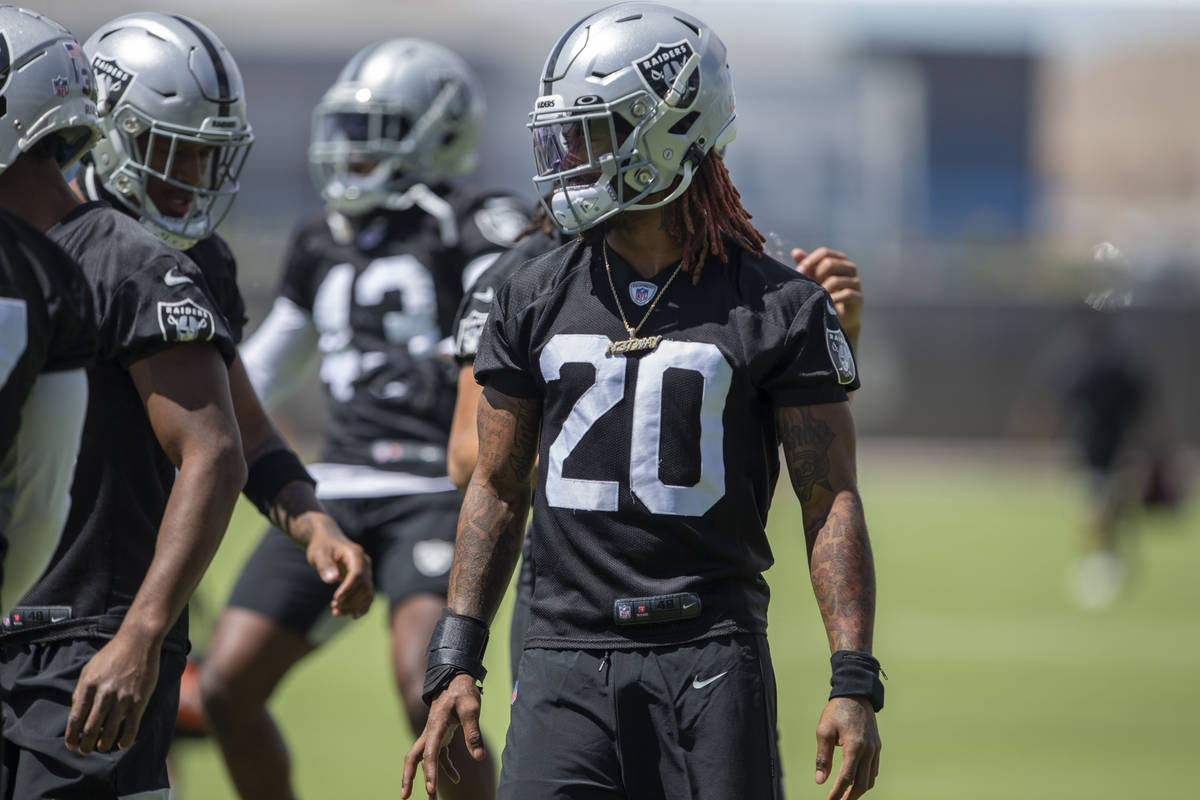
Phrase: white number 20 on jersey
(606, 392)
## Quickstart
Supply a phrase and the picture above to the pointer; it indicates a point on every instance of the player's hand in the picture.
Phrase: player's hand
(339, 560)
(113, 690)
(837, 275)
(849, 723)
(458, 705)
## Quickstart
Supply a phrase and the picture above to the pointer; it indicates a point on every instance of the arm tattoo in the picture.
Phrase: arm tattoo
(806, 442)
(843, 575)
(492, 523)
(835, 528)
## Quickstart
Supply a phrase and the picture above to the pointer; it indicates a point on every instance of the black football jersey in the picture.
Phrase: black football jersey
(147, 298)
(657, 467)
(216, 261)
(46, 318)
(473, 310)
(382, 292)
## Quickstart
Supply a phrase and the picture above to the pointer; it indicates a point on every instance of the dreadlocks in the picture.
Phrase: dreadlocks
(709, 209)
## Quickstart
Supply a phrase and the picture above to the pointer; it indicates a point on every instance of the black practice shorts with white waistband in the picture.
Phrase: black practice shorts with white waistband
(410, 540)
(37, 681)
(656, 723)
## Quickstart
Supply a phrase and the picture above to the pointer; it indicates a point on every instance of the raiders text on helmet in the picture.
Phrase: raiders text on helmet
(167, 84)
(631, 99)
(46, 88)
(402, 112)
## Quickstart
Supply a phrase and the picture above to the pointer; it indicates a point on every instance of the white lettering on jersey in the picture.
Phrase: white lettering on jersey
(14, 334)
(659, 497)
(606, 393)
(415, 324)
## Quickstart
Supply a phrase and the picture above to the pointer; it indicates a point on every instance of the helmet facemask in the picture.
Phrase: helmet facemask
(366, 154)
(150, 155)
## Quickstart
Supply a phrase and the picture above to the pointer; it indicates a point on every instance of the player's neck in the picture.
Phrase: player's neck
(642, 240)
(36, 191)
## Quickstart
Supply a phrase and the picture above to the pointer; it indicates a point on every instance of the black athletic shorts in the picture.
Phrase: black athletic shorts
(409, 538)
(657, 723)
(37, 681)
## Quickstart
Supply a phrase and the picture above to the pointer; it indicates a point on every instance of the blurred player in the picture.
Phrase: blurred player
(653, 403)
(90, 659)
(175, 140)
(47, 325)
(371, 285)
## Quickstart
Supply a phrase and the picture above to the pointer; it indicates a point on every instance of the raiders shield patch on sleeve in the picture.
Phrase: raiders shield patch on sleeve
(185, 321)
(500, 221)
(466, 343)
(840, 355)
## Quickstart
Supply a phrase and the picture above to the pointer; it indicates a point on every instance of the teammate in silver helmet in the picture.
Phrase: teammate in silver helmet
(47, 334)
(174, 118)
(90, 657)
(648, 374)
(370, 287)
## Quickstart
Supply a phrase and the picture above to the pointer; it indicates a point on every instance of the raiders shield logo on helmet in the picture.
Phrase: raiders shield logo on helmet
(185, 321)
(660, 68)
(114, 81)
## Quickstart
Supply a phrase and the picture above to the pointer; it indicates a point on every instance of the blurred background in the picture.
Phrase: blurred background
(969, 156)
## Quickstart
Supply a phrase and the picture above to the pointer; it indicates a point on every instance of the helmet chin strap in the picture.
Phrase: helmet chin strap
(427, 200)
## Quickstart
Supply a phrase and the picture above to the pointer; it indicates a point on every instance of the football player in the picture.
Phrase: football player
(371, 285)
(175, 140)
(95, 648)
(651, 371)
(47, 327)
(831, 268)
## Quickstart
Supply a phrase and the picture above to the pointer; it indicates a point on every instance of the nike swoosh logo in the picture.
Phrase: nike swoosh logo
(485, 297)
(700, 684)
(174, 279)
(58, 619)
(686, 606)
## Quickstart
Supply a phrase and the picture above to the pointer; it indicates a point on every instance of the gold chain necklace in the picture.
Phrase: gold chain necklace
(633, 344)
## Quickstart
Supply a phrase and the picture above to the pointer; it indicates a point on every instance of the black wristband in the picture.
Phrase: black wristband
(456, 648)
(856, 674)
(268, 475)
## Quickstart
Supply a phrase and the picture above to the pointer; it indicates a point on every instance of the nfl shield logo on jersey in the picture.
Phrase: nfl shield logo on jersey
(185, 321)
(642, 292)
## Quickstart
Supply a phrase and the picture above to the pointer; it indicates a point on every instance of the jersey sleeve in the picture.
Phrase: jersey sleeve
(73, 321)
(502, 360)
(217, 262)
(298, 266)
(162, 304)
(812, 362)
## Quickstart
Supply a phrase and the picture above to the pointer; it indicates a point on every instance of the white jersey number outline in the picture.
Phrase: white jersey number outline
(606, 392)
(415, 325)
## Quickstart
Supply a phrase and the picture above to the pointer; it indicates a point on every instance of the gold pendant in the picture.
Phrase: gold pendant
(632, 345)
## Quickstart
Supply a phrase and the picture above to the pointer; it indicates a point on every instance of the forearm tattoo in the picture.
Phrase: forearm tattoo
(289, 511)
(835, 528)
(492, 522)
(843, 575)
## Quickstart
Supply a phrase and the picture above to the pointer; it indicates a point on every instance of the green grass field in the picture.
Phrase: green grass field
(998, 687)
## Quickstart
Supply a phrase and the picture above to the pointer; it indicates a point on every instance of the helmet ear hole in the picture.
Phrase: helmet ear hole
(685, 124)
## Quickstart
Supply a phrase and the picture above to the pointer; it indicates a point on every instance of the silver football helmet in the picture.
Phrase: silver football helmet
(402, 112)
(46, 88)
(630, 101)
(170, 93)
